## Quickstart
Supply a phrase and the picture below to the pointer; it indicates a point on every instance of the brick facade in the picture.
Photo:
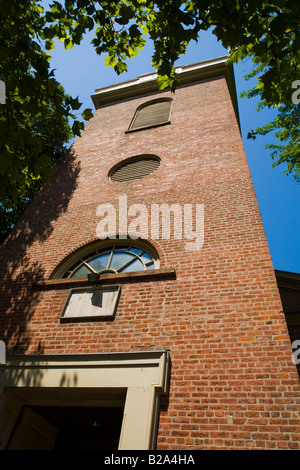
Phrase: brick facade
(232, 382)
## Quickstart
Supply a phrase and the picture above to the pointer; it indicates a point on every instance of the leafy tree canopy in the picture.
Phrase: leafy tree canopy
(266, 31)
(34, 99)
(52, 131)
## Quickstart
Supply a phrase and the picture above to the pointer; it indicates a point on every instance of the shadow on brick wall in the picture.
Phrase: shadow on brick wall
(18, 270)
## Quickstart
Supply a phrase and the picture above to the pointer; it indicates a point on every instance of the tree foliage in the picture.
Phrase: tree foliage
(285, 125)
(33, 98)
(53, 132)
(286, 128)
(266, 31)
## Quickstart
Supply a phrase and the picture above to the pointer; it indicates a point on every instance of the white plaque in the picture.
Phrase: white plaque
(86, 304)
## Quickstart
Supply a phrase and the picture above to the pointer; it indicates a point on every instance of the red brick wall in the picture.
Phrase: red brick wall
(233, 384)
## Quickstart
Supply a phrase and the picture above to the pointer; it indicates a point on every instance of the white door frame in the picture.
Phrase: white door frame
(143, 374)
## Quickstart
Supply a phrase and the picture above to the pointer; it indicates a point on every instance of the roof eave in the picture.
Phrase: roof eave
(288, 279)
(147, 83)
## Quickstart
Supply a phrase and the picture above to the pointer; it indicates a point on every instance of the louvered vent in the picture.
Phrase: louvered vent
(151, 114)
(134, 168)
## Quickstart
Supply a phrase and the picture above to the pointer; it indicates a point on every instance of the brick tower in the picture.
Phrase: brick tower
(139, 304)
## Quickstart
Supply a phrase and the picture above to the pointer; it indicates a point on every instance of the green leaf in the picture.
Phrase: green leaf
(110, 61)
(77, 127)
(68, 44)
(87, 114)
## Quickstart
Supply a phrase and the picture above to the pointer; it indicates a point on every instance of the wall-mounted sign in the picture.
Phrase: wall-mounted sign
(99, 303)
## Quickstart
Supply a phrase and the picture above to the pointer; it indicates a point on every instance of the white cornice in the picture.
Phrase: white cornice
(147, 83)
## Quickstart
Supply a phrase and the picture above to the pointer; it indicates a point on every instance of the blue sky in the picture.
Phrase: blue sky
(81, 71)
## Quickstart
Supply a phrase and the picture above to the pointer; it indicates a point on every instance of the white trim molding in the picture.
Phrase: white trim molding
(144, 375)
(185, 74)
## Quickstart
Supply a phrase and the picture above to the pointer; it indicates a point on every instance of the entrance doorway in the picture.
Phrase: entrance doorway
(116, 392)
(67, 428)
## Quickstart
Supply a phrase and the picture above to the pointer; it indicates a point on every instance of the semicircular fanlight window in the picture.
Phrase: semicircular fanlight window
(115, 259)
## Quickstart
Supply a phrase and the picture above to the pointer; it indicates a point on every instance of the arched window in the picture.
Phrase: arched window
(152, 113)
(110, 259)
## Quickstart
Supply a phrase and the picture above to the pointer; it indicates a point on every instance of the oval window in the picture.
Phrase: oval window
(134, 168)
